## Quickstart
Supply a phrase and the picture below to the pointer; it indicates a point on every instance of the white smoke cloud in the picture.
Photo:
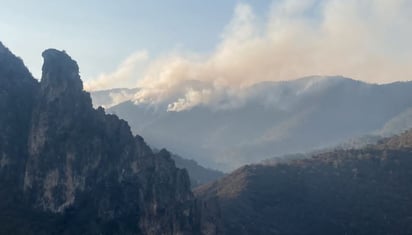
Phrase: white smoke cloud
(192, 97)
(124, 76)
(367, 40)
(119, 97)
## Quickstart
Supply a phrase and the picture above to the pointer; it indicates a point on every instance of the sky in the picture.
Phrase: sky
(186, 53)
(100, 34)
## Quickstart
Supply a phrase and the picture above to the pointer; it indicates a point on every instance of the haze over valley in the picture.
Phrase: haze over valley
(272, 119)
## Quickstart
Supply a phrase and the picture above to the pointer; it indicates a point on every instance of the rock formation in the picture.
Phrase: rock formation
(67, 168)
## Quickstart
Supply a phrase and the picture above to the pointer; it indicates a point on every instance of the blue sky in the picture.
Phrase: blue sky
(100, 34)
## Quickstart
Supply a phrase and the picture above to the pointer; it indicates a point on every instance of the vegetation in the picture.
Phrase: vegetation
(365, 191)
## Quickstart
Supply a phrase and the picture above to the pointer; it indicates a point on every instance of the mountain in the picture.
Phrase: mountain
(272, 119)
(198, 174)
(363, 191)
(66, 168)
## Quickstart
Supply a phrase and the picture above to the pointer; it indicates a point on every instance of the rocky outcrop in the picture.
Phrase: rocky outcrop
(17, 88)
(76, 170)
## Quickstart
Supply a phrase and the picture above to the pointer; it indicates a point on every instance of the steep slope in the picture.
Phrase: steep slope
(17, 88)
(70, 169)
(271, 119)
(365, 191)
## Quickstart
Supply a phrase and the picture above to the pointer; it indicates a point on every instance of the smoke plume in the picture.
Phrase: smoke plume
(367, 40)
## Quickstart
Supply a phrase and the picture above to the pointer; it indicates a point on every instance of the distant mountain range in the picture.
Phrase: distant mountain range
(274, 119)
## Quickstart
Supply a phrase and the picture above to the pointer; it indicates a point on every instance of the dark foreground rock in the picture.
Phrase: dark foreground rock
(66, 168)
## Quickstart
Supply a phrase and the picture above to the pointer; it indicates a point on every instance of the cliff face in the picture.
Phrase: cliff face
(77, 169)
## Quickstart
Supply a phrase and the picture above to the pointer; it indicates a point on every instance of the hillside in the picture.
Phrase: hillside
(364, 191)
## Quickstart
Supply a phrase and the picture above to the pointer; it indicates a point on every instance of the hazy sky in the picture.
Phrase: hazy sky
(187, 53)
(100, 34)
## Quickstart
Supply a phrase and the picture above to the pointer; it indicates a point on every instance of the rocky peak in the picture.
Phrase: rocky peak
(61, 104)
(12, 66)
(60, 75)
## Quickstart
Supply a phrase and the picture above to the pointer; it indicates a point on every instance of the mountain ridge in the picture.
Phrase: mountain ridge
(280, 116)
